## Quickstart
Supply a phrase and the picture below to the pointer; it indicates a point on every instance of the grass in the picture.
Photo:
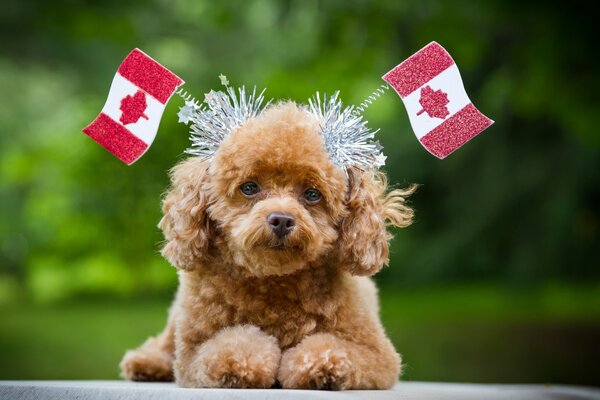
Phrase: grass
(470, 334)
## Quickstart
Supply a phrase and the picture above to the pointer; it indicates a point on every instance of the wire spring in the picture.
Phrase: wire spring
(371, 99)
(186, 96)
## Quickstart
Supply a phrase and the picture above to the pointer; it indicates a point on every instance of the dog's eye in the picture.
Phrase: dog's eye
(250, 188)
(312, 195)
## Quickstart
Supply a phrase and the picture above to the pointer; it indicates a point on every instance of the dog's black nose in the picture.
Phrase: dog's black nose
(281, 224)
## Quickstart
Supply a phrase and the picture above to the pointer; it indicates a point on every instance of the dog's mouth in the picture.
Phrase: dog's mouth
(281, 246)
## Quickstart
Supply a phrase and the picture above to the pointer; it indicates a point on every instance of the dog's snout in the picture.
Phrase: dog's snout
(282, 224)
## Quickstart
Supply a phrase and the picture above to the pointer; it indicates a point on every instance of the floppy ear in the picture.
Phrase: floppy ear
(363, 243)
(185, 224)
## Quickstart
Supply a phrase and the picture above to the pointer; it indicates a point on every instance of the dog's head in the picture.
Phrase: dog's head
(271, 202)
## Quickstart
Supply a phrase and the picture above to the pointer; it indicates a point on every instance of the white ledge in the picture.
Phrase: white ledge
(120, 390)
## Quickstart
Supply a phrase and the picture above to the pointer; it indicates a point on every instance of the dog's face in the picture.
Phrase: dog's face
(271, 202)
(275, 194)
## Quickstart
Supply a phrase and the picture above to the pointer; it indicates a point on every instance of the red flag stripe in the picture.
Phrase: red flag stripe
(419, 69)
(455, 131)
(115, 138)
(147, 74)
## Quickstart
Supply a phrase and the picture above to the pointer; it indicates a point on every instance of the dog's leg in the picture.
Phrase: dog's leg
(242, 356)
(153, 360)
(352, 353)
(326, 361)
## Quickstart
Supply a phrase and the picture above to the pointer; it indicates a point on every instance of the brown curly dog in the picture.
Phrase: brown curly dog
(274, 245)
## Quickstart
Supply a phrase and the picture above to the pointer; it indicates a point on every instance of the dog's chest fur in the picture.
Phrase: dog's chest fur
(287, 307)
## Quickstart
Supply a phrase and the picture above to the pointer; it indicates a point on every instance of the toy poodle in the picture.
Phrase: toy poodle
(274, 245)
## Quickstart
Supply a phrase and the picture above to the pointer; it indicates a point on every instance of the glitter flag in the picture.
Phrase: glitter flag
(441, 114)
(137, 98)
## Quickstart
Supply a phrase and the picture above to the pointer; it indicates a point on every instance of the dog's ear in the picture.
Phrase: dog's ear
(186, 226)
(363, 243)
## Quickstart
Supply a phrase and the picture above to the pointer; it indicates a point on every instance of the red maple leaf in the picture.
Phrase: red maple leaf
(133, 108)
(434, 103)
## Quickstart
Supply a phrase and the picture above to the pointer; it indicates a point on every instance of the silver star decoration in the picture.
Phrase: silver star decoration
(208, 97)
(224, 80)
(380, 160)
(186, 113)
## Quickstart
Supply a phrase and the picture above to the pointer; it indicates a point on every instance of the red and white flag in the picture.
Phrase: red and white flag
(138, 95)
(441, 114)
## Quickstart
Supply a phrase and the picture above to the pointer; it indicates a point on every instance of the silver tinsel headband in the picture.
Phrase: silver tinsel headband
(347, 138)
(220, 114)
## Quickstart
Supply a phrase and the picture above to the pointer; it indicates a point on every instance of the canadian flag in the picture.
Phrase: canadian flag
(441, 114)
(137, 98)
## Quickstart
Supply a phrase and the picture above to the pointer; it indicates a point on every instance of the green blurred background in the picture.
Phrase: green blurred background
(497, 281)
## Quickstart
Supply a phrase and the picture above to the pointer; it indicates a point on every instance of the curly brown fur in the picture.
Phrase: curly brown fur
(256, 310)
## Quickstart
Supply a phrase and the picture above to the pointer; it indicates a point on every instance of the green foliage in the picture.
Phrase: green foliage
(519, 204)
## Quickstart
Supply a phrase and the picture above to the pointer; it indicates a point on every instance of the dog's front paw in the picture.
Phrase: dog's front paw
(147, 365)
(238, 357)
(318, 362)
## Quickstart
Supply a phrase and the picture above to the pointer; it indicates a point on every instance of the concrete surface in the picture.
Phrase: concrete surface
(120, 390)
